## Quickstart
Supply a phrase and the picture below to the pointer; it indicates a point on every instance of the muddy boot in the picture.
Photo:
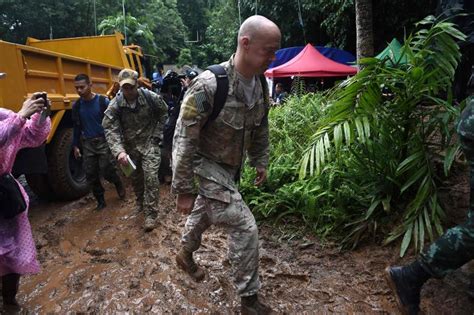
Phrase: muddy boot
(250, 305)
(186, 263)
(150, 224)
(405, 283)
(10, 283)
(120, 190)
(100, 202)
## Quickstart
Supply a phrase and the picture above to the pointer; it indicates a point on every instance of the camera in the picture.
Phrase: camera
(44, 96)
(46, 108)
(172, 83)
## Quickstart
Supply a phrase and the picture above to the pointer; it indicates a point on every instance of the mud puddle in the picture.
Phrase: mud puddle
(103, 262)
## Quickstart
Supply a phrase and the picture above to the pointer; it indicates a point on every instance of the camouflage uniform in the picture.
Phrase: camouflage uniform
(456, 246)
(137, 130)
(214, 151)
(97, 160)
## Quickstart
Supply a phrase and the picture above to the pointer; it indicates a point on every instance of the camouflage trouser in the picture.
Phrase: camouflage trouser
(240, 224)
(456, 246)
(98, 161)
(145, 182)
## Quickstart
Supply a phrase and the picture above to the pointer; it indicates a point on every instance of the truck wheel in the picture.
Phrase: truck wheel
(66, 175)
(39, 184)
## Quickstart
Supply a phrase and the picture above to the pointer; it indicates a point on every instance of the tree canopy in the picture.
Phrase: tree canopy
(159, 23)
(207, 28)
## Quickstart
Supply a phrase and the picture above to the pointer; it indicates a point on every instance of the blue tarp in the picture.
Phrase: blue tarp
(285, 54)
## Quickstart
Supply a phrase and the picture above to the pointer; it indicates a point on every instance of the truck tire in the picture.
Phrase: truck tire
(39, 184)
(65, 173)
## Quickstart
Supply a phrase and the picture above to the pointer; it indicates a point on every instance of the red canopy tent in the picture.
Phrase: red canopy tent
(310, 63)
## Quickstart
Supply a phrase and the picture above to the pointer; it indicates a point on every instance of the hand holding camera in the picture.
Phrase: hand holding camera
(35, 104)
(46, 111)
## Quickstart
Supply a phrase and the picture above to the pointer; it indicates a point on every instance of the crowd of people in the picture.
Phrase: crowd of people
(203, 150)
(139, 128)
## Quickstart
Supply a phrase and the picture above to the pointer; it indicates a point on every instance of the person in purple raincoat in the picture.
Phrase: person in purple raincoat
(17, 248)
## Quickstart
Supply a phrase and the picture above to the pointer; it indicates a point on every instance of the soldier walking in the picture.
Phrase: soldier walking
(87, 115)
(133, 126)
(215, 148)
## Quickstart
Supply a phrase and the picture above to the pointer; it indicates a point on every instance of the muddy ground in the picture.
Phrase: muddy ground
(102, 261)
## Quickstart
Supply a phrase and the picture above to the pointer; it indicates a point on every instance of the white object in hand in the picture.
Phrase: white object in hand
(129, 168)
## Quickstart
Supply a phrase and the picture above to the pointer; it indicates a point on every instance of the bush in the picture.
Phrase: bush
(360, 159)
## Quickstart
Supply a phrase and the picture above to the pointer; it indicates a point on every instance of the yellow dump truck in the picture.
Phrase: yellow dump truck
(51, 65)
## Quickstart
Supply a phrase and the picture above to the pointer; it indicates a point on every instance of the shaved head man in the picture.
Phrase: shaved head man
(258, 40)
(210, 144)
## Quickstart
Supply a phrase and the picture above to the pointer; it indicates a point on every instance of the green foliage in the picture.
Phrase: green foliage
(72, 18)
(166, 24)
(340, 23)
(326, 22)
(39, 19)
(195, 15)
(331, 22)
(184, 57)
(370, 149)
(298, 86)
(176, 22)
(136, 32)
(220, 37)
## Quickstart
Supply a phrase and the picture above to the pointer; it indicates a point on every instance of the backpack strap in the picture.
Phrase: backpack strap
(222, 89)
(266, 92)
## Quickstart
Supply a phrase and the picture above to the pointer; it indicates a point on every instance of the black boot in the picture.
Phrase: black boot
(120, 190)
(406, 283)
(250, 305)
(10, 284)
(100, 202)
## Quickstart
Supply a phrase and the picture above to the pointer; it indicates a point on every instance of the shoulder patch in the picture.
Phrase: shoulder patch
(202, 104)
(188, 108)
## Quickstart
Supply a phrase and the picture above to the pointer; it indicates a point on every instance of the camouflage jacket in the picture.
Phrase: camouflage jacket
(466, 123)
(215, 149)
(130, 128)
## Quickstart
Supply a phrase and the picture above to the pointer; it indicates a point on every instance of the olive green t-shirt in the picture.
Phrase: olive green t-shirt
(245, 89)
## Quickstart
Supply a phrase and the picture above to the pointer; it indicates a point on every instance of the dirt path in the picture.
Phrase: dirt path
(103, 262)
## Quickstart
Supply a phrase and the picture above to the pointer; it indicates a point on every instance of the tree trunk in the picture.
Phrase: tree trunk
(364, 28)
